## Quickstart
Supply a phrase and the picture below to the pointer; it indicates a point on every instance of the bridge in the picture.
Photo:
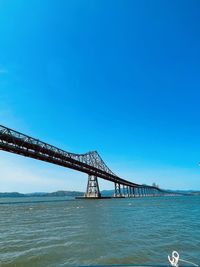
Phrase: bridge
(90, 163)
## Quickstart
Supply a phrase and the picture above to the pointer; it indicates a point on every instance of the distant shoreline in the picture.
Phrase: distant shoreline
(62, 193)
(43, 194)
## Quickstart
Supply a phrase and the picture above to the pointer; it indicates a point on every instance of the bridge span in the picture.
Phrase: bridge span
(90, 163)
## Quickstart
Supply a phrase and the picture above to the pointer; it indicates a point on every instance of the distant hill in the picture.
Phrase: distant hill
(62, 193)
(186, 192)
(53, 194)
(12, 194)
(65, 193)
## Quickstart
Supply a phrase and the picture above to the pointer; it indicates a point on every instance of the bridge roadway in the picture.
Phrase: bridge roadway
(90, 163)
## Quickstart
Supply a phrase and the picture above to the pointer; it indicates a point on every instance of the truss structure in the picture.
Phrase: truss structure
(90, 163)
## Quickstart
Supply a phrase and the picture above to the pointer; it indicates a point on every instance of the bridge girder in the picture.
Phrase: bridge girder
(90, 163)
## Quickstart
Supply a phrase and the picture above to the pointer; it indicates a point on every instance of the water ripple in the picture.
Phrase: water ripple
(115, 231)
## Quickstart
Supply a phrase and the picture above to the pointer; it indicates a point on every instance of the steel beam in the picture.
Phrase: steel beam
(90, 163)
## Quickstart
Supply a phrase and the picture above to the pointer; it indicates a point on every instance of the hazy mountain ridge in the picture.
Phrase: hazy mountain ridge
(62, 193)
(59, 193)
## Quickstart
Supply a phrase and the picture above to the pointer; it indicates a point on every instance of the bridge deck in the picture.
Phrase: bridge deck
(90, 163)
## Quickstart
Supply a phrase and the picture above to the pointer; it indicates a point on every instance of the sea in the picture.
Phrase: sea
(58, 232)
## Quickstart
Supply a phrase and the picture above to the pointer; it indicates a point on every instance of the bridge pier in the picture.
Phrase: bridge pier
(117, 190)
(92, 187)
(145, 191)
(139, 192)
(127, 191)
(133, 188)
(131, 191)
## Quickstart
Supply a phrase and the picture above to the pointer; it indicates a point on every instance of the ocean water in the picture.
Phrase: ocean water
(44, 232)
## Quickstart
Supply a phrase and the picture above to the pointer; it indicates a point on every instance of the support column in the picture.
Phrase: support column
(149, 192)
(127, 191)
(133, 191)
(146, 193)
(124, 194)
(117, 190)
(139, 192)
(143, 191)
(136, 192)
(92, 187)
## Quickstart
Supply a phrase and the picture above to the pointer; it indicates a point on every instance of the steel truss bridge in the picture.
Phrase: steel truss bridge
(90, 163)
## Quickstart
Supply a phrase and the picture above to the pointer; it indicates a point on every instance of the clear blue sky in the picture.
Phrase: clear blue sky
(120, 77)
